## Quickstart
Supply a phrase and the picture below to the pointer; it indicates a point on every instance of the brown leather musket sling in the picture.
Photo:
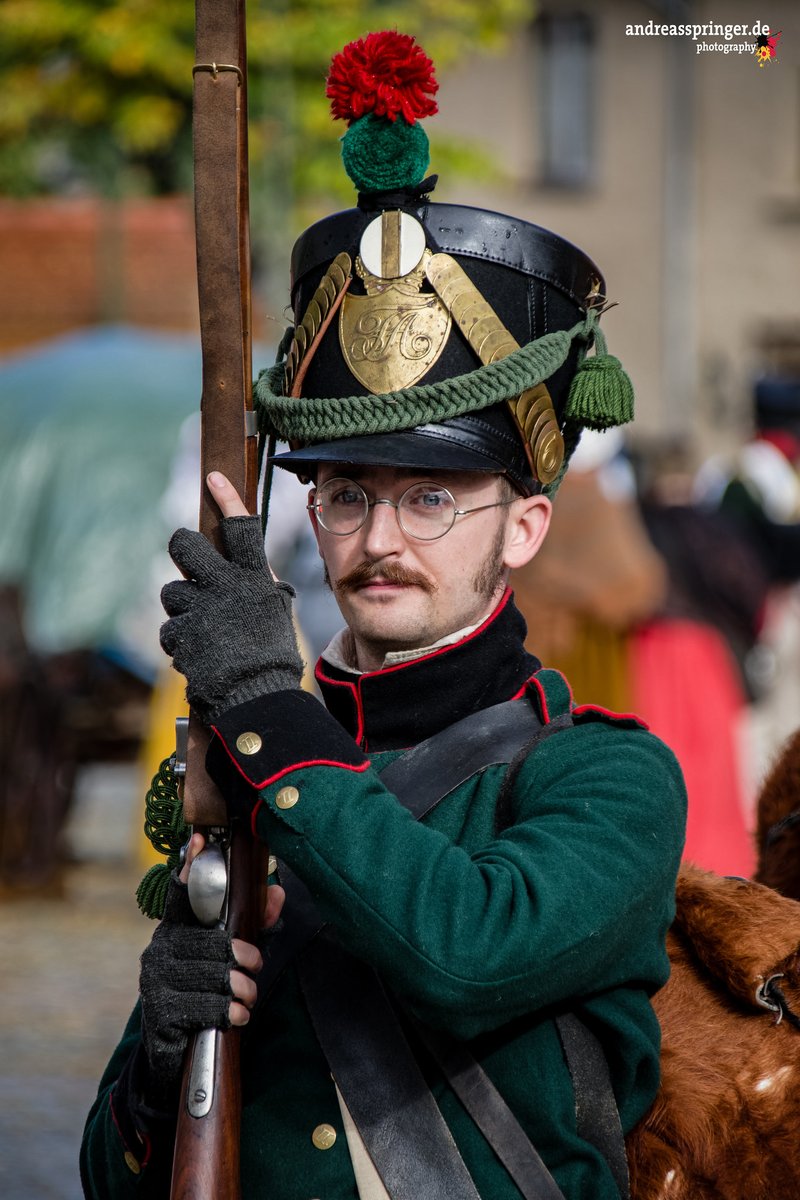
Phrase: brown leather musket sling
(221, 208)
(206, 1159)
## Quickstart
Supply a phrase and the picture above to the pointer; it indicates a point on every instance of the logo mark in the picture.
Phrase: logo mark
(767, 47)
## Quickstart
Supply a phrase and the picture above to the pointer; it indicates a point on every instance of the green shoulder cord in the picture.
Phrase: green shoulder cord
(168, 832)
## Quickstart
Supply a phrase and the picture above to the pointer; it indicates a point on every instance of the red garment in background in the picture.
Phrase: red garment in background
(687, 688)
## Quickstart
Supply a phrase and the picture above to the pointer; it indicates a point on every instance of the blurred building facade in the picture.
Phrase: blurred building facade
(678, 170)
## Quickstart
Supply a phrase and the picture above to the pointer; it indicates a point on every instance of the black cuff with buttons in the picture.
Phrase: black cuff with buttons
(147, 1131)
(259, 741)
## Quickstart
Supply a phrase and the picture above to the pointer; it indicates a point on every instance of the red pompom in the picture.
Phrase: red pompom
(384, 73)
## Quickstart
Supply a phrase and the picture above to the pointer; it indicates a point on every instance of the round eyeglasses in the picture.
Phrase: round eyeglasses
(425, 511)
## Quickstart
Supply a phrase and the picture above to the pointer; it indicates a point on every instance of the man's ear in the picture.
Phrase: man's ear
(528, 522)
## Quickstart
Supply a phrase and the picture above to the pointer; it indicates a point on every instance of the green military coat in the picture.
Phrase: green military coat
(484, 934)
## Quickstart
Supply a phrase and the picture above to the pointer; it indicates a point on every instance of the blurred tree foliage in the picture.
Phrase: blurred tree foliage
(96, 94)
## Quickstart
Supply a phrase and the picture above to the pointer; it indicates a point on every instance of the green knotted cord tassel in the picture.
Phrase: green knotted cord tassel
(321, 418)
(601, 394)
(168, 832)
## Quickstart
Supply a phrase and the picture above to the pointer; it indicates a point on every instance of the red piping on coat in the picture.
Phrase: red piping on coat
(609, 712)
(143, 1137)
(318, 762)
(314, 762)
(356, 687)
(543, 698)
(320, 675)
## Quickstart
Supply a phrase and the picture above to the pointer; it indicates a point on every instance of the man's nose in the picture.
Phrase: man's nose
(383, 534)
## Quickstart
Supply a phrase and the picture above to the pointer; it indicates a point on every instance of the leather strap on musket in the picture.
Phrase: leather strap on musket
(206, 1160)
(223, 261)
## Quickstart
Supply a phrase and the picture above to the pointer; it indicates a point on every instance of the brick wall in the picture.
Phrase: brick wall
(68, 263)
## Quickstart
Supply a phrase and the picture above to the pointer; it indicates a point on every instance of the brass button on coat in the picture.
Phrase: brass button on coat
(248, 743)
(133, 1164)
(287, 797)
(323, 1137)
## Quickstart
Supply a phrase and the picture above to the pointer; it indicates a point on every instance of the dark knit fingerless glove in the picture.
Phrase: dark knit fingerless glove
(185, 986)
(230, 630)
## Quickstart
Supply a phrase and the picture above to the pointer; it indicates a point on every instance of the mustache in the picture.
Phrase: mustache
(390, 572)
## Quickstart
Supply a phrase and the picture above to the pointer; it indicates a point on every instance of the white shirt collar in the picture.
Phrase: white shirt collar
(341, 651)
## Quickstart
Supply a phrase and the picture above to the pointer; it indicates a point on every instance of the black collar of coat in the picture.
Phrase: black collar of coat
(398, 706)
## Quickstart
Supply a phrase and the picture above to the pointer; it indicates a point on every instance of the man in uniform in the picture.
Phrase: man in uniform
(494, 903)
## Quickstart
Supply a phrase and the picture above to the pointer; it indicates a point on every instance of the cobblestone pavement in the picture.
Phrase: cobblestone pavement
(68, 977)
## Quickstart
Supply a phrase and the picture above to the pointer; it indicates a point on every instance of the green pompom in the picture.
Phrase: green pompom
(601, 394)
(381, 155)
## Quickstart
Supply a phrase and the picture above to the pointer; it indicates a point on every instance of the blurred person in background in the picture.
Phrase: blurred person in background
(688, 662)
(597, 579)
(640, 605)
(757, 490)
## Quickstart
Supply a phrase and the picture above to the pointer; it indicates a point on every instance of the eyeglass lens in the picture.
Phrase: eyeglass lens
(425, 510)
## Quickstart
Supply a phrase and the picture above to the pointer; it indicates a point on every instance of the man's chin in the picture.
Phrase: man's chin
(395, 615)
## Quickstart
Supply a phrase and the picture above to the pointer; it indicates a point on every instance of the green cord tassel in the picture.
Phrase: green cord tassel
(168, 832)
(151, 894)
(601, 394)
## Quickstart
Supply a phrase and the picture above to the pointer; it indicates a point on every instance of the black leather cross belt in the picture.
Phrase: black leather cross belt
(361, 1036)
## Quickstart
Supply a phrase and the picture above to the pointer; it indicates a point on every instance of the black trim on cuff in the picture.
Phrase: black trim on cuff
(147, 1131)
(284, 730)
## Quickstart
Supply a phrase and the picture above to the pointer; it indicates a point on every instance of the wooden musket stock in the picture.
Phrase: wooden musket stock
(206, 1162)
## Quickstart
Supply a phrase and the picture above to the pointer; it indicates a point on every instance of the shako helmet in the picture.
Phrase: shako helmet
(432, 336)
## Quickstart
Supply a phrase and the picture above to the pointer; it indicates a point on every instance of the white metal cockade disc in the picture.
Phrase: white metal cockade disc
(392, 245)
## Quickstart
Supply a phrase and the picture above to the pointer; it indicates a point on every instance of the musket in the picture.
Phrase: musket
(206, 1161)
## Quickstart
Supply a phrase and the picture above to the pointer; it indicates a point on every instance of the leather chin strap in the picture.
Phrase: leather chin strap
(362, 1038)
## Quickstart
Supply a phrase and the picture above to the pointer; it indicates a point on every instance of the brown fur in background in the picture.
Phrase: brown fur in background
(779, 861)
(726, 1122)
